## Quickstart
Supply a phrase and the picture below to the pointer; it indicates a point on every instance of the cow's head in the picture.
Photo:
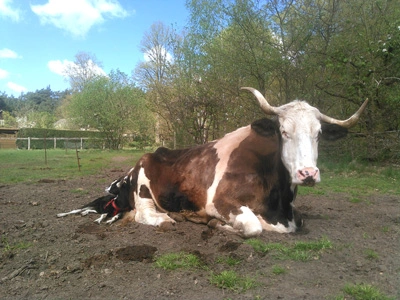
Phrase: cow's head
(300, 127)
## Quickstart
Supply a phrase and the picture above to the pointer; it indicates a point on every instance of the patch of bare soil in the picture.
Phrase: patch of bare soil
(43, 256)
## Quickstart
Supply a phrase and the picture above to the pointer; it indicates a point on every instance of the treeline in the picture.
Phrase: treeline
(38, 109)
(332, 53)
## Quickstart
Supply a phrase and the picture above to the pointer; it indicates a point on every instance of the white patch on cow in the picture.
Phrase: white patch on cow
(278, 227)
(130, 177)
(246, 223)
(130, 216)
(300, 127)
(224, 147)
(146, 212)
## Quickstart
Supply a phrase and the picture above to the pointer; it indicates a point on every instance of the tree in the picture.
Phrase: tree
(41, 119)
(3, 102)
(112, 105)
(155, 75)
(192, 79)
(332, 53)
(351, 53)
(9, 120)
(227, 46)
(85, 68)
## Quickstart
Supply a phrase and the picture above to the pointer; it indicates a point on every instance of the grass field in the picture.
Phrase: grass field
(356, 179)
(30, 166)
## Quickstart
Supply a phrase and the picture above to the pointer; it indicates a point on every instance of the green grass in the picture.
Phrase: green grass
(278, 270)
(232, 281)
(357, 179)
(299, 251)
(29, 165)
(173, 261)
(362, 292)
(228, 260)
(11, 249)
(371, 254)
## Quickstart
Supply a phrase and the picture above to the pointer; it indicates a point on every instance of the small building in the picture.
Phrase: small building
(8, 138)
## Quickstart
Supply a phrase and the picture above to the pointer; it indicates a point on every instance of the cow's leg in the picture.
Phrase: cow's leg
(245, 223)
(278, 227)
(146, 212)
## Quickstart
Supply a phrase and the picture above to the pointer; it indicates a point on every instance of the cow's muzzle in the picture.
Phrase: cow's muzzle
(308, 176)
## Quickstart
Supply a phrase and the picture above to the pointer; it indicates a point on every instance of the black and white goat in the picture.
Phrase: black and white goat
(110, 206)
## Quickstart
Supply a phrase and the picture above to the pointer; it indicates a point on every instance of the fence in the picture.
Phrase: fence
(58, 142)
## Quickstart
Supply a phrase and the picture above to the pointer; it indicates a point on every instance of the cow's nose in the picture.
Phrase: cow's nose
(308, 176)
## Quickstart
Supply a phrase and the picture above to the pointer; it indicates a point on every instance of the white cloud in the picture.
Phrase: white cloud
(59, 67)
(95, 69)
(16, 88)
(7, 53)
(62, 67)
(156, 54)
(3, 74)
(78, 16)
(8, 12)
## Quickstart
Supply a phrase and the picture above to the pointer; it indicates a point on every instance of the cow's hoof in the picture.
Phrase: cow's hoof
(166, 226)
(214, 223)
(176, 216)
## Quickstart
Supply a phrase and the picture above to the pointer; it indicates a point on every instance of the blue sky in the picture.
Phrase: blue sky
(39, 37)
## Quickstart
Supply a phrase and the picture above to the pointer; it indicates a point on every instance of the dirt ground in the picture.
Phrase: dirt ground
(45, 257)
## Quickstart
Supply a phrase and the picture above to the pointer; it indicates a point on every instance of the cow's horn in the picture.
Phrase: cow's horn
(350, 122)
(268, 109)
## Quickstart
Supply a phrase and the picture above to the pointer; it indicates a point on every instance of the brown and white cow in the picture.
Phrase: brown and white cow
(247, 180)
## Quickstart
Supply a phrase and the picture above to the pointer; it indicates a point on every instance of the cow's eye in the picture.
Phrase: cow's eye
(285, 134)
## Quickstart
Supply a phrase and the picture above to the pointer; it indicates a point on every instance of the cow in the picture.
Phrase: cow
(113, 205)
(247, 180)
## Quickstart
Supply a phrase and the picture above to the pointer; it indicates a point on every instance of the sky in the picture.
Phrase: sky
(38, 38)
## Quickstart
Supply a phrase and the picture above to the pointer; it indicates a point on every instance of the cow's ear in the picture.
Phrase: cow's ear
(265, 127)
(332, 132)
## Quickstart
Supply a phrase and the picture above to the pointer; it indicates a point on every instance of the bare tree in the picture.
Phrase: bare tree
(85, 68)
